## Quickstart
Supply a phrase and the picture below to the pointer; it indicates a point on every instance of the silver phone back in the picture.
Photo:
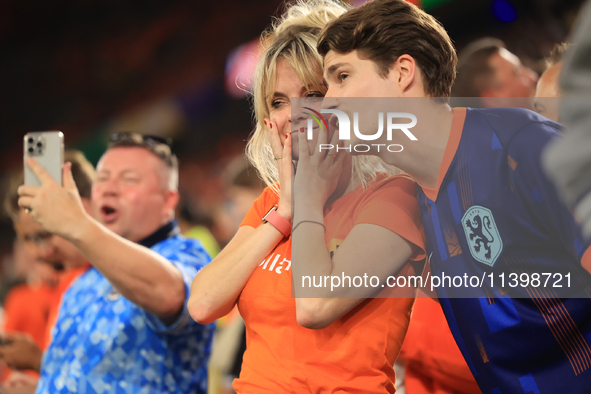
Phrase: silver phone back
(47, 147)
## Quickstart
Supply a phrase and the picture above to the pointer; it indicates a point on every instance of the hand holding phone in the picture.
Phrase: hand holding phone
(57, 207)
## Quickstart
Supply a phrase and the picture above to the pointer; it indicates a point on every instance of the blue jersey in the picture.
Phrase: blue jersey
(103, 343)
(494, 213)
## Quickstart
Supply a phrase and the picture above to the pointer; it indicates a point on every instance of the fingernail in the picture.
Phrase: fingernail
(302, 130)
(271, 125)
(265, 122)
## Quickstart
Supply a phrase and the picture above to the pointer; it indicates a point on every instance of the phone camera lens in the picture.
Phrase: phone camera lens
(39, 144)
(31, 150)
(31, 140)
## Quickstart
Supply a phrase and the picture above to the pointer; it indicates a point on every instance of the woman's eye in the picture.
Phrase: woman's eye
(342, 77)
(314, 94)
(276, 103)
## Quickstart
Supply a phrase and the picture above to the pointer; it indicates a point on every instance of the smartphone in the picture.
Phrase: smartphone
(47, 148)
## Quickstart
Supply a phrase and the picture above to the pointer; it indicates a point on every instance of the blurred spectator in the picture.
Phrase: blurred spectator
(196, 224)
(243, 186)
(31, 309)
(486, 69)
(548, 90)
(568, 161)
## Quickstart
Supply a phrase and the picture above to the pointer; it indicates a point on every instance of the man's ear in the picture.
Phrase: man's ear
(171, 201)
(86, 204)
(405, 73)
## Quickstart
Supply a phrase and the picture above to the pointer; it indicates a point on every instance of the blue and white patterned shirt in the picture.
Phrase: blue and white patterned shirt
(103, 343)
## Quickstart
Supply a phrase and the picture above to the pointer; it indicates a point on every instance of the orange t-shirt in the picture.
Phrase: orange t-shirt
(34, 309)
(55, 300)
(356, 353)
(433, 362)
(26, 310)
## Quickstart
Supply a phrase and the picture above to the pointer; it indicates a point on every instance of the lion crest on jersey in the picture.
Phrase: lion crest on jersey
(482, 234)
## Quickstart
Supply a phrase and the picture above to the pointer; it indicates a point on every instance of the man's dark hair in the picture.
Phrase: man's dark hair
(82, 172)
(383, 30)
(474, 71)
(193, 213)
(248, 179)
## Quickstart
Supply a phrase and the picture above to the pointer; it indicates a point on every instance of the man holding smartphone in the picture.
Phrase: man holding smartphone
(124, 324)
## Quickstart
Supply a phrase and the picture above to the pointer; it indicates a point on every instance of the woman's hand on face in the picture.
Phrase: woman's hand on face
(282, 155)
(318, 172)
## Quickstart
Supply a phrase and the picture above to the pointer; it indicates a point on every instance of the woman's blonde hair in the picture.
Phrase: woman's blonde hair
(294, 37)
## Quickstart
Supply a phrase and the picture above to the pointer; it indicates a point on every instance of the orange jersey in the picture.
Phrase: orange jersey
(356, 353)
(34, 309)
(26, 310)
(433, 362)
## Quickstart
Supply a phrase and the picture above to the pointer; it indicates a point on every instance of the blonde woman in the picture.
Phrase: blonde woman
(311, 344)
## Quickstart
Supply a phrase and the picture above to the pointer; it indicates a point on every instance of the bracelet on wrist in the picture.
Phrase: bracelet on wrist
(277, 221)
(308, 221)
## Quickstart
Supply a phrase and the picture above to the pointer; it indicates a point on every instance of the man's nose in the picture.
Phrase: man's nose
(110, 187)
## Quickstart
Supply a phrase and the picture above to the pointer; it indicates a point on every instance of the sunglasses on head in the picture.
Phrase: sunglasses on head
(148, 139)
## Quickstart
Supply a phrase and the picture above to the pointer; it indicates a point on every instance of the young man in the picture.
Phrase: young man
(123, 325)
(475, 166)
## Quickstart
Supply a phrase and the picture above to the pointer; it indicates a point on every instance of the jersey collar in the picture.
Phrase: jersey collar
(170, 229)
(455, 135)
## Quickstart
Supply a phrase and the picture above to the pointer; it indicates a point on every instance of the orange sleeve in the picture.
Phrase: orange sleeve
(259, 208)
(393, 205)
(26, 311)
(14, 308)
